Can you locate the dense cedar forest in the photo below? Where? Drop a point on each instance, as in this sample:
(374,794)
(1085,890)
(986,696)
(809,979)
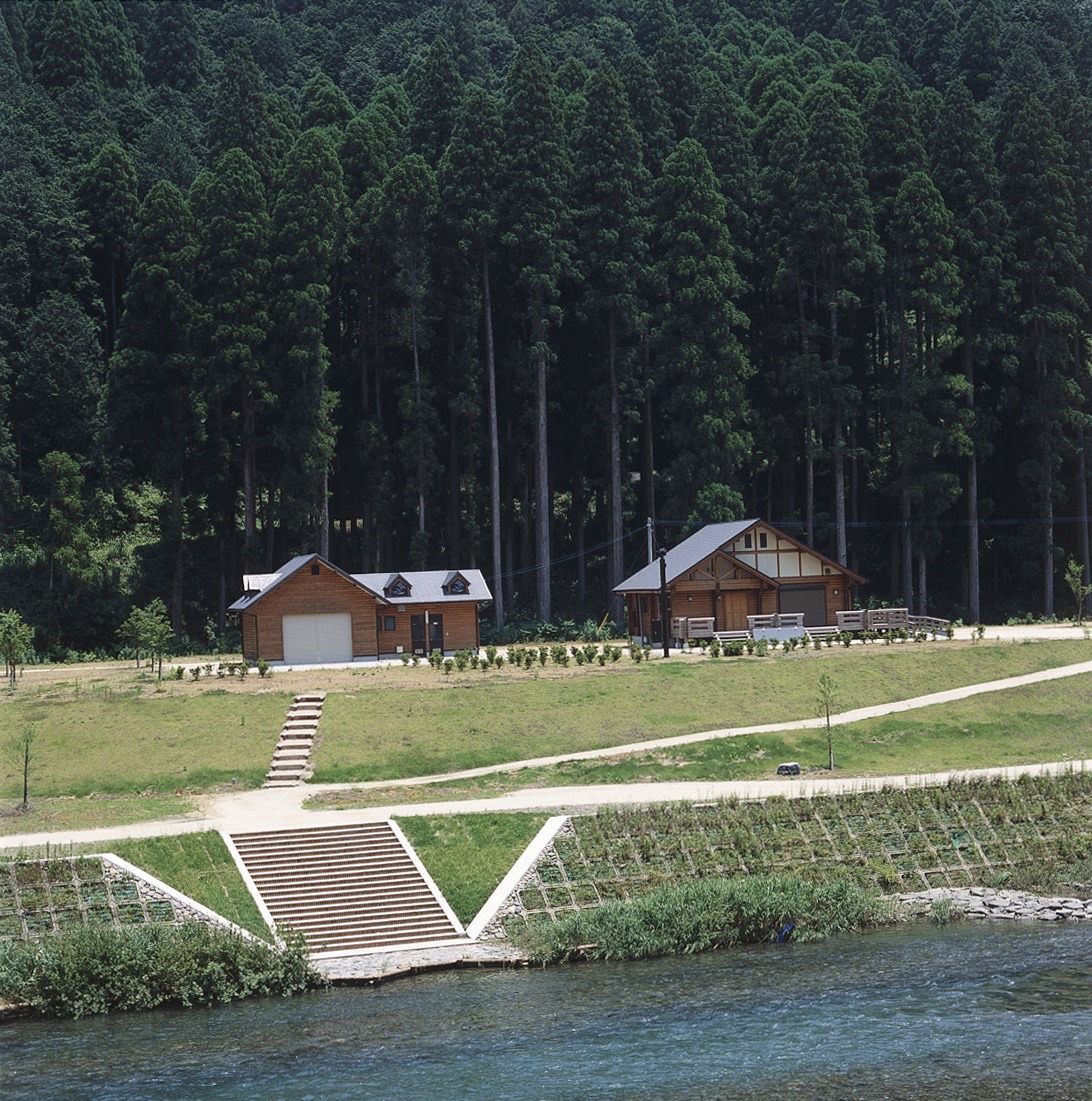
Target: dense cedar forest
(440,283)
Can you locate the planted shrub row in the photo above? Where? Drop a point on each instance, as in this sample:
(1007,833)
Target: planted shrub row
(706,914)
(105,970)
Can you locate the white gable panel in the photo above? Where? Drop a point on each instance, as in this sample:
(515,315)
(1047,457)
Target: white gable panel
(810,566)
(317,639)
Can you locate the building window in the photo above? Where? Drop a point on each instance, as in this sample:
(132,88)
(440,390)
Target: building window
(762,540)
(314,569)
(457,587)
(746,542)
(384,623)
(399,588)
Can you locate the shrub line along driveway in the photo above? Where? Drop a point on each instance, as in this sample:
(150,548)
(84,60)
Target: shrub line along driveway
(279,808)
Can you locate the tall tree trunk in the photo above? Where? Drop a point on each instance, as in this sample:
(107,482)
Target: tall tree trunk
(615,556)
(809,477)
(454,457)
(907,547)
(839,452)
(178,574)
(494,445)
(324,518)
(922,567)
(580,515)
(1082,508)
(1048,533)
(542,490)
(648,469)
(417,394)
(974,560)
(250,527)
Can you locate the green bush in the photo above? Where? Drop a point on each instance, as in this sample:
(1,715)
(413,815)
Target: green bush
(104,970)
(706,914)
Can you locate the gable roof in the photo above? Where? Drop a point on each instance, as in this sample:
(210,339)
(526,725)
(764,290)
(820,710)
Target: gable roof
(703,543)
(261,584)
(427,586)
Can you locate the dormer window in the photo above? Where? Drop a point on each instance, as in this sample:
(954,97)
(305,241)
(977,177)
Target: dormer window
(456,585)
(399,587)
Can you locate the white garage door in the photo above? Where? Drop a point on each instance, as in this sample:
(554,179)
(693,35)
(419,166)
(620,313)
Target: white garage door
(317,639)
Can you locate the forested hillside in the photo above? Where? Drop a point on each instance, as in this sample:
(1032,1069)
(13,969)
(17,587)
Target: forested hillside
(488,283)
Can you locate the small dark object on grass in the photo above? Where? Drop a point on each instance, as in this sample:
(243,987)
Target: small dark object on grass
(789,768)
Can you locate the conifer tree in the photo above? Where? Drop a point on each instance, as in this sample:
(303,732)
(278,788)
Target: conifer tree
(536,177)
(154,399)
(109,196)
(702,364)
(306,234)
(232,291)
(469,197)
(609,198)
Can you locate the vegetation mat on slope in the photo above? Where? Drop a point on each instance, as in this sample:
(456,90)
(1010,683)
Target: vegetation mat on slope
(696,917)
(468,855)
(1034,833)
(470,721)
(196,864)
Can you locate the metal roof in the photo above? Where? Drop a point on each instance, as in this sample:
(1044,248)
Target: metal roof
(427,586)
(270,581)
(685,556)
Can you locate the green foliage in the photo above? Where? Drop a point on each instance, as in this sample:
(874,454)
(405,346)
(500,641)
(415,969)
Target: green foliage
(107,970)
(16,638)
(708,914)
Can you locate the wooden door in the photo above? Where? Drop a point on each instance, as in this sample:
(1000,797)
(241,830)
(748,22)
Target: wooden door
(732,614)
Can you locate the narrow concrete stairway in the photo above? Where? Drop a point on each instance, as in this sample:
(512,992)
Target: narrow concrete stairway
(291,762)
(346,888)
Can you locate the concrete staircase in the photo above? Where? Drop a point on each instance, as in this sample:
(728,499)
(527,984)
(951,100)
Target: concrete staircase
(346,888)
(291,762)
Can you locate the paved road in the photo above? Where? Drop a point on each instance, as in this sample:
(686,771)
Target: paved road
(282,807)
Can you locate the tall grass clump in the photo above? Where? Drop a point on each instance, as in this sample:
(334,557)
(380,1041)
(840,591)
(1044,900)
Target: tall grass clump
(105,970)
(707,914)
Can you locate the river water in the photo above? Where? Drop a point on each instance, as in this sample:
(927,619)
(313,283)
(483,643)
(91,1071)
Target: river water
(980,1012)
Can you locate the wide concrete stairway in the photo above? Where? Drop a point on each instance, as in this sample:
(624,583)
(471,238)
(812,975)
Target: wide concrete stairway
(291,762)
(345,888)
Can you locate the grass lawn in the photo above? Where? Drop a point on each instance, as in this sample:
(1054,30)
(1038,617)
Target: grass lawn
(111,730)
(476,719)
(468,855)
(90,812)
(197,864)
(1047,722)
(134,741)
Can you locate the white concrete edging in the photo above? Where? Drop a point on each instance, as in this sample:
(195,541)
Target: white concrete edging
(178,896)
(542,840)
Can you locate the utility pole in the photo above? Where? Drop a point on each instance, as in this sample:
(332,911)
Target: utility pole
(648,532)
(664,624)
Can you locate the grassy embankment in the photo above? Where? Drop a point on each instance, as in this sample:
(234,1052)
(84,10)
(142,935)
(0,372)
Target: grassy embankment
(476,720)
(1047,722)
(113,745)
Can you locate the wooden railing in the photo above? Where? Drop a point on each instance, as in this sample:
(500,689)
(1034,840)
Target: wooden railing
(683,627)
(890,619)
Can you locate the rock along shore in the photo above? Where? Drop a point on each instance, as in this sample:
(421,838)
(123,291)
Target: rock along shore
(976,903)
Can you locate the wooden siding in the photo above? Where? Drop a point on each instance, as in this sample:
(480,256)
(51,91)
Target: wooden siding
(460,625)
(248,622)
(305,593)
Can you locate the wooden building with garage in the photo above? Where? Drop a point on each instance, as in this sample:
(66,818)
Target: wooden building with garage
(726,572)
(311,612)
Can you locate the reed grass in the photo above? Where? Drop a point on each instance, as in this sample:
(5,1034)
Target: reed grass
(707,914)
